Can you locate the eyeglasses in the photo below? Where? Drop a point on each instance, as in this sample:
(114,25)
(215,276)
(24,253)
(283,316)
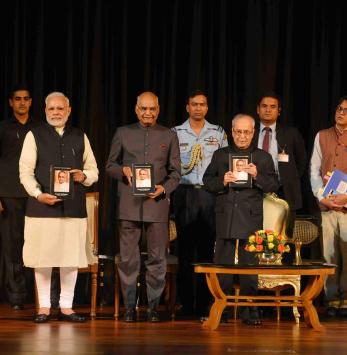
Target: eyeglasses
(240,132)
(342,110)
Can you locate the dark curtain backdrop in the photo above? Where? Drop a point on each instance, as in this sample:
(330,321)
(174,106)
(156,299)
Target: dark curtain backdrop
(102,54)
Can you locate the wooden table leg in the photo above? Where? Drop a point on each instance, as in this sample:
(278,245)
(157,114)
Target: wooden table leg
(295,308)
(219,304)
(311,316)
(215,315)
(312,290)
(94,294)
(116,293)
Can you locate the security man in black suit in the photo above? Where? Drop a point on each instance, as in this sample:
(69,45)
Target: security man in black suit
(13,197)
(287,148)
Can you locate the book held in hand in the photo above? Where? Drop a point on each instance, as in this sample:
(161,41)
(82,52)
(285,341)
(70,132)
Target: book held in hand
(61,182)
(143,179)
(237,163)
(336,184)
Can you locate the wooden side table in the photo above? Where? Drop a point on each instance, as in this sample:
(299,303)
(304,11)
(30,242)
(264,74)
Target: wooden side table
(316,273)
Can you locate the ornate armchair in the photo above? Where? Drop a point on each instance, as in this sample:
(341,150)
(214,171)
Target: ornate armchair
(92,204)
(276,212)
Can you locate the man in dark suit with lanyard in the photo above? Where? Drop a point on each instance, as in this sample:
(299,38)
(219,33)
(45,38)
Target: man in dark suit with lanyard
(287,148)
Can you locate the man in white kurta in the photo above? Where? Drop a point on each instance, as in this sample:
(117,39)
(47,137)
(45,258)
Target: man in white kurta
(51,241)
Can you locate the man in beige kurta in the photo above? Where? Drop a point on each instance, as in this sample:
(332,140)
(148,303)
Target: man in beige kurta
(55,230)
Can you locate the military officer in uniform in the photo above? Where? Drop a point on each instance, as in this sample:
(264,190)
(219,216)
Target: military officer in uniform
(193,206)
(144,142)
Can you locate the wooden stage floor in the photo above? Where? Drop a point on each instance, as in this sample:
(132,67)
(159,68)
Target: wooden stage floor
(19,335)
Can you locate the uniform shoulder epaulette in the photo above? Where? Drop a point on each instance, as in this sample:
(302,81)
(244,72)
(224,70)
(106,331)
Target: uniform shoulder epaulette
(217,128)
(179,128)
(214,127)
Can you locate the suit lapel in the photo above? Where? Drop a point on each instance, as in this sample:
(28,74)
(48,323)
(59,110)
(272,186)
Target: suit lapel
(279,137)
(256,134)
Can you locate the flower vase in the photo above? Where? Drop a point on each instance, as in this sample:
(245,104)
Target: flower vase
(269,258)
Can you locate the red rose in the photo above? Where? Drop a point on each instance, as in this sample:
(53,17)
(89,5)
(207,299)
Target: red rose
(258,239)
(259,248)
(281,248)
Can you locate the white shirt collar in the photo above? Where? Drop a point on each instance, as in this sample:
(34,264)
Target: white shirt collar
(273,127)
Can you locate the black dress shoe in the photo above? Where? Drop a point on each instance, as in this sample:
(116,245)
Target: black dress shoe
(252,321)
(251,317)
(41,318)
(331,312)
(342,312)
(73,317)
(223,319)
(152,315)
(185,313)
(129,315)
(204,319)
(17,306)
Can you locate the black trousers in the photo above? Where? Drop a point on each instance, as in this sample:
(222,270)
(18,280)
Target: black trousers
(12,239)
(195,223)
(225,254)
(129,267)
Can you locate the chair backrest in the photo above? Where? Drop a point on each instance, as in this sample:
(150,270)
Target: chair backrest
(92,205)
(276,213)
(275,216)
(304,232)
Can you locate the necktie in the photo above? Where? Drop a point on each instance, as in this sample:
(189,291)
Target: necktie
(266,140)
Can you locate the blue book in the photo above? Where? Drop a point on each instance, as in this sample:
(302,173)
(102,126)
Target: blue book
(337,184)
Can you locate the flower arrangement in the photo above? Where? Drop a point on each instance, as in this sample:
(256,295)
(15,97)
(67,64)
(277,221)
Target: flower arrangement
(267,241)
